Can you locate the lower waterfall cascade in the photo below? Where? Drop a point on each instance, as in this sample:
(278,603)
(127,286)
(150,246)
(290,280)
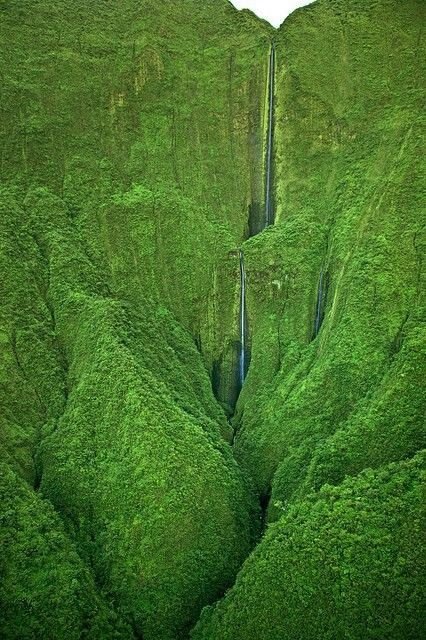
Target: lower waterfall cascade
(243,322)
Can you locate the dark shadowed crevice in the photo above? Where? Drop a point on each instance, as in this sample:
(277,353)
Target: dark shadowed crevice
(264,500)
(225,378)
(321,303)
(256,222)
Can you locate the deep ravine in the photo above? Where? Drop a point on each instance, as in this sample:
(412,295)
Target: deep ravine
(268,219)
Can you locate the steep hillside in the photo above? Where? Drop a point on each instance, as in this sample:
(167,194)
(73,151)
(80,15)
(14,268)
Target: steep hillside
(345,564)
(349,224)
(130,162)
(135,480)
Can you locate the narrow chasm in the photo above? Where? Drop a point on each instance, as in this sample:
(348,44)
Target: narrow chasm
(256,226)
(230,370)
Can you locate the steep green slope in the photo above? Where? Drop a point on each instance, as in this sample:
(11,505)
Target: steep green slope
(346,564)
(129,451)
(128,179)
(46,591)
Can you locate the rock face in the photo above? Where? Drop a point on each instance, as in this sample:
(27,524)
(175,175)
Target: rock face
(133,160)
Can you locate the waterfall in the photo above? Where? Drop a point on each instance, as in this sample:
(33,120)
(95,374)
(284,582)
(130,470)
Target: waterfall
(319,309)
(243,321)
(269,214)
(269,219)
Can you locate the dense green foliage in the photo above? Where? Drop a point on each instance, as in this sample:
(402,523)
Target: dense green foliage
(132,151)
(345,564)
(46,591)
(138,446)
(127,181)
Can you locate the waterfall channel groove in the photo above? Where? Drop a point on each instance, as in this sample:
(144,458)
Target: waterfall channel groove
(321,302)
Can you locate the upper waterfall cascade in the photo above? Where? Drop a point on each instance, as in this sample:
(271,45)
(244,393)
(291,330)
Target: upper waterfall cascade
(269,213)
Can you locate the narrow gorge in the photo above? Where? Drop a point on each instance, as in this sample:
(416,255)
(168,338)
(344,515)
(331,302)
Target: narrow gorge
(268,220)
(212,321)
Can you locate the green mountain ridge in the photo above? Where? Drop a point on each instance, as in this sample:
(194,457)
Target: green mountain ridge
(143,496)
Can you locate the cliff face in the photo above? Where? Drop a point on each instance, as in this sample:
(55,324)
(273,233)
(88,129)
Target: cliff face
(348,216)
(153,115)
(132,165)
